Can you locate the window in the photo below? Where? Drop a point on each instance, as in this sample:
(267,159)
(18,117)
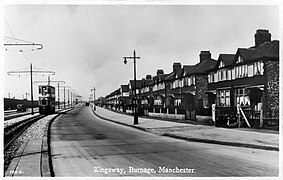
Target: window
(221,64)
(211,77)
(258,68)
(158,101)
(145,101)
(205,103)
(242,97)
(185,79)
(223,74)
(180,83)
(223,98)
(233,73)
(240,59)
(241,71)
(177,102)
(250,70)
(193,80)
(215,77)
(228,74)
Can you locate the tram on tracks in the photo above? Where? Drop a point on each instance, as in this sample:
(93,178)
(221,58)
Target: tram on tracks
(46,100)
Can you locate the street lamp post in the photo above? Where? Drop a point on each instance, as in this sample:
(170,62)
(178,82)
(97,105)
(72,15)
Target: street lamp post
(136,121)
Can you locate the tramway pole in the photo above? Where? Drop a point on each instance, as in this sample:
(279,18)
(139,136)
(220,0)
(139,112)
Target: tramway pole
(65,94)
(21,47)
(30,72)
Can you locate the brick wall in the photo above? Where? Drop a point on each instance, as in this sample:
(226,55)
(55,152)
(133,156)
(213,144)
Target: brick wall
(201,88)
(271,90)
(10,104)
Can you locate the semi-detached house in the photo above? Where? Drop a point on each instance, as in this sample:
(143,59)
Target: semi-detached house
(248,79)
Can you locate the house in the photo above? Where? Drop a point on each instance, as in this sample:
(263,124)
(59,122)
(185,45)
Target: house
(145,95)
(186,87)
(124,97)
(248,79)
(112,99)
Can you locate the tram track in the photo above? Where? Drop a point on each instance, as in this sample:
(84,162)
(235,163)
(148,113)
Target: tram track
(12,132)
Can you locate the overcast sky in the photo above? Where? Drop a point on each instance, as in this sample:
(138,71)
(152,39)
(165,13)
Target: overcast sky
(85,44)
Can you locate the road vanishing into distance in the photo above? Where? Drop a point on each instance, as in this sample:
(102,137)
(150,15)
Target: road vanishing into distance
(85,145)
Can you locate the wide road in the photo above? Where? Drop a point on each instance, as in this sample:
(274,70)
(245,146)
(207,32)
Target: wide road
(85,145)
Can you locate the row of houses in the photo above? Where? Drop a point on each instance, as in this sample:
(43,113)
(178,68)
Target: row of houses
(247,81)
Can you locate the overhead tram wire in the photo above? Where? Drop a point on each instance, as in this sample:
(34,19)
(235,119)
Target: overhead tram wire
(9,27)
(18,39)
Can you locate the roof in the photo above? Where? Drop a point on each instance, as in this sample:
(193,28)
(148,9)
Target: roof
(116,92)
(173,74)
(138,83)
(125,88)
(146,82)
(203,67)
(246,53)
(267,50)
(170,76)
(162,76)
(188,68)
(227,59)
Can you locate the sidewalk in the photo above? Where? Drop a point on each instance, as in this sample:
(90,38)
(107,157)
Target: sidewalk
(243,137)
(31,158)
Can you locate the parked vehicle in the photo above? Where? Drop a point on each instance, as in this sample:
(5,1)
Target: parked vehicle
(21,108)
(87,103)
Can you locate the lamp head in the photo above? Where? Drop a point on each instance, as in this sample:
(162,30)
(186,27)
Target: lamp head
(125,60)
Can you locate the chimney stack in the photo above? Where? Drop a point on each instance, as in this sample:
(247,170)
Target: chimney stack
(262,36)
(148,77)
(159,72)
(177,66)
(204,55)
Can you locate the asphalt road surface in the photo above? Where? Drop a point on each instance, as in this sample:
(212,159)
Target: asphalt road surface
(85,145)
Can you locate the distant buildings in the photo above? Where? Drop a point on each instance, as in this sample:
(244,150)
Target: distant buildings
(249,78)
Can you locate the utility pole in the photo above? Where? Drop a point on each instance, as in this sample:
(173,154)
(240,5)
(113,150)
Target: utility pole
(30,72)
(58,97)
(135,85)
(64,98)
(31,89)
(68,98)
(93,97)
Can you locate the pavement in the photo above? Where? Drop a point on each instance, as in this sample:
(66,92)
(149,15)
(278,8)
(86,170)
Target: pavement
(31,159)
(240,137)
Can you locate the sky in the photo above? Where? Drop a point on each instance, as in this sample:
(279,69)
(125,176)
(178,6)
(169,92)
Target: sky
(85,44)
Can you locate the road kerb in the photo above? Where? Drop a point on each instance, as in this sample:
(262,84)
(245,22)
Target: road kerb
(46,159)
(137,127)
(222,142)
(197,139)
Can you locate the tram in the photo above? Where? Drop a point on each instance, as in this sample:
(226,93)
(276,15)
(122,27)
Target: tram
(46,100)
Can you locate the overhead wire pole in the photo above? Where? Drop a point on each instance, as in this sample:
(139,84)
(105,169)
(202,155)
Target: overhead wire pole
(31,72)
(135,84)
(64,87)
(93,96)
(31,87)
